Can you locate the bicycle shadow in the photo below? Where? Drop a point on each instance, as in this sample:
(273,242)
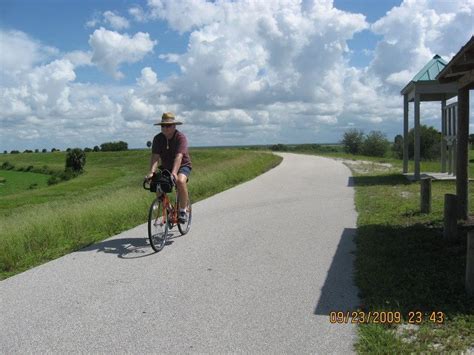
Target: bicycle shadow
(129,248)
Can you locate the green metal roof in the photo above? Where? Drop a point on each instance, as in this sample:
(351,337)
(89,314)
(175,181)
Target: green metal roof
(431,70)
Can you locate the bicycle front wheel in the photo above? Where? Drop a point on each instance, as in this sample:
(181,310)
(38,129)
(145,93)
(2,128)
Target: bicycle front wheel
(157,225)
(184,227)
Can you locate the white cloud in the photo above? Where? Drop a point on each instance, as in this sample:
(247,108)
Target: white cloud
(115,21)
(187,14)
(148,77)
(21,52)
(110,49)
(109,18)
(138,14)
(417,30)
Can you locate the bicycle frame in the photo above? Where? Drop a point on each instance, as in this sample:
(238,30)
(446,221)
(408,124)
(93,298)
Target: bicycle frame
(171,209)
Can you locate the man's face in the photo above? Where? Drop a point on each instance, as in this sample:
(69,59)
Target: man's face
(168,130)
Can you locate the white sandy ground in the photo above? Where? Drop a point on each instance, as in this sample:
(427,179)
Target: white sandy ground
(260,270)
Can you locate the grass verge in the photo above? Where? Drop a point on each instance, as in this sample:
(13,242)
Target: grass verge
(404,265)
(83,211)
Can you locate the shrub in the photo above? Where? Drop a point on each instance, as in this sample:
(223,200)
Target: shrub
(279,147)
(471,140)
(397,147)
(375,144)
(53,180)
(75,160)
(352,141)
(430,143)
(7,166)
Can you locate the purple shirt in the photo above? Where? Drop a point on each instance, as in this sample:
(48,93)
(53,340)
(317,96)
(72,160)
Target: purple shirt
(167,149)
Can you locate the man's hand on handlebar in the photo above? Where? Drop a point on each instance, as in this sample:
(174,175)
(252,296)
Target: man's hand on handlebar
(149,175)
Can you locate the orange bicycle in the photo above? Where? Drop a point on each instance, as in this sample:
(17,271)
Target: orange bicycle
(163,213)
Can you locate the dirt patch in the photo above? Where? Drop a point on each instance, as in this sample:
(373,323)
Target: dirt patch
(365,167)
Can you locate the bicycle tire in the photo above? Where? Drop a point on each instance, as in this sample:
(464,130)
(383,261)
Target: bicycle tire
(184,228)
(157,225)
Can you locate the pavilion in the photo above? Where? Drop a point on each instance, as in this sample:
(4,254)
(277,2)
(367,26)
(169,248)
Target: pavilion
(460,72)
(425,87)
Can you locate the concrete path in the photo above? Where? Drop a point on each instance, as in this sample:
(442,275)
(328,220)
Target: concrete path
(260,270)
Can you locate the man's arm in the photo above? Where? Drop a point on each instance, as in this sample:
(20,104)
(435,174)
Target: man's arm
(177,164)
(154,160)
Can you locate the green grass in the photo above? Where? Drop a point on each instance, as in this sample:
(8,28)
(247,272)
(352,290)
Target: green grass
(13,181)
(43,224)
(403,264)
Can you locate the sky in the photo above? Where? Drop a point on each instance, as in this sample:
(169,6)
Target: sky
(240,72)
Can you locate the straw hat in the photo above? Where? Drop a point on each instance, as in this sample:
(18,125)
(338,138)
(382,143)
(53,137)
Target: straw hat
(168,118)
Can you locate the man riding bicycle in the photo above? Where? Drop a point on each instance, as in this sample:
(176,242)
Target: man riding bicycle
(171,147)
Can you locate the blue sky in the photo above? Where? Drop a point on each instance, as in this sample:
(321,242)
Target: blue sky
(79,73)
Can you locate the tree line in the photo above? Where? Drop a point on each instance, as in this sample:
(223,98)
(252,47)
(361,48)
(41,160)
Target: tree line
(104,147)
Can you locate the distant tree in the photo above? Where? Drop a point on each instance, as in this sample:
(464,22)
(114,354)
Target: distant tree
(375,144)
(5,152)
(114,146)
(44,150)
(75,160)
(36,150)
(148,144)
(87,150)
(68,149)
(14,152)
(53,150)
(96,148)
(352,141)
(28,151)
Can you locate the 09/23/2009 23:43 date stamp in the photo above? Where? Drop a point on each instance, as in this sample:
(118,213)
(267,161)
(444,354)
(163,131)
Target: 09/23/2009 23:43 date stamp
(386,317)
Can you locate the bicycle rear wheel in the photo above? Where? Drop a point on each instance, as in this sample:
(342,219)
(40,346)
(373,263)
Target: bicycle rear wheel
(157,225)
(184,228)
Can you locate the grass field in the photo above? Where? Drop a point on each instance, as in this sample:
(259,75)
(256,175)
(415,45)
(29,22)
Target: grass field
(44,223)
(13,181)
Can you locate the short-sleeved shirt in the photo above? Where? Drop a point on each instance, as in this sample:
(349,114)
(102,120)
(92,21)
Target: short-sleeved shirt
(167,149)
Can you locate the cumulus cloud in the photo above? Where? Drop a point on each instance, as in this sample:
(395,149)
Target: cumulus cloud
(109,18)
(21,52)
(115,21)
(417,30)
(148,77)
(110,49)
(252,72)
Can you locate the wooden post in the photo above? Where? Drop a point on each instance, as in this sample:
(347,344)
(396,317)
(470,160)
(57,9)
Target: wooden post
(425,200)
(417,137)
(405,133)
(470,263)
(450,217)
(443,136)
(462,153)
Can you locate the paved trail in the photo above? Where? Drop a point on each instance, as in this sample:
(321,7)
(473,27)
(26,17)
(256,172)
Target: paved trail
(261,268)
